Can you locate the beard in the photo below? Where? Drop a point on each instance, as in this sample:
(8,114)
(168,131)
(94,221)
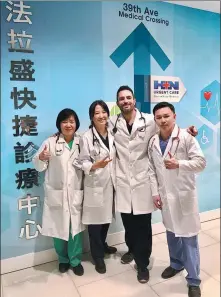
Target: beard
(127,110)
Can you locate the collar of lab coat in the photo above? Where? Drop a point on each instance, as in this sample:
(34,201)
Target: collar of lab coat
(75,144)
(121,122)
(110,139)
(174,136)
(156,141)
(136,124)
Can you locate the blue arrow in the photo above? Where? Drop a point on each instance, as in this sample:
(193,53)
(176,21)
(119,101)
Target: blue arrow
(143,45)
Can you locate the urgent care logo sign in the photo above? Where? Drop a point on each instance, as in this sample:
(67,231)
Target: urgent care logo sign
(166,88)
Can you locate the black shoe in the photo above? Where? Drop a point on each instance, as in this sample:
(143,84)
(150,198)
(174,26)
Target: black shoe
(78,270)
(170,272)
(194,291)
(143,275)
(127,258)
(109,249)
(100,266)
(63,267)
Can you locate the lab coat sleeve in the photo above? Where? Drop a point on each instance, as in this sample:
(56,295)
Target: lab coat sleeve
(84,160)
(152,175)
(197,161)
(38,164)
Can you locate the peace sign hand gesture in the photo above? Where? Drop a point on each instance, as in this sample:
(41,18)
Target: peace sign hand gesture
(101,163)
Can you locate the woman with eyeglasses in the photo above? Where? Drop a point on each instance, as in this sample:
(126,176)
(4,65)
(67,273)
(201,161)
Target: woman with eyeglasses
(96,159)
(63,191)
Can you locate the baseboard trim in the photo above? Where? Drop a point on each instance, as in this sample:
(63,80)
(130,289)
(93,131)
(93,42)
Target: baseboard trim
(28,260)
(33,259)
(210,215)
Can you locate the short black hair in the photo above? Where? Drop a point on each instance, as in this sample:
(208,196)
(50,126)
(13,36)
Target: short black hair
(162,105)
(64,115)
(93,106)
(124,88)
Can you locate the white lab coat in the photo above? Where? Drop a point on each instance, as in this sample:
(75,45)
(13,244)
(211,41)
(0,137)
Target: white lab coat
(177,187)
(63,189)
(133,191)
(98,205)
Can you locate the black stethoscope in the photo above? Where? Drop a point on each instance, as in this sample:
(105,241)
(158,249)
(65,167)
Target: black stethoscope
(60,146)
(142,129)
(97,142)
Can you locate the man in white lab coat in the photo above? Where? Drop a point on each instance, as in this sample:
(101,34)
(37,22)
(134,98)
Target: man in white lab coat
(132,131)
(175,157)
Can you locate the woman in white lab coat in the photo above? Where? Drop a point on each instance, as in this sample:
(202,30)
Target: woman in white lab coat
(97,154)
(63,191)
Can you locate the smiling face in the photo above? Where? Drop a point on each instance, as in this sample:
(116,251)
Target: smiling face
(68,127)
(165,119)
(126,101)
(100,117)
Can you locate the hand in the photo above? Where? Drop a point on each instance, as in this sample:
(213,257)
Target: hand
(101,163)
(45,154)
(157,201)
(192,131)
(171,163)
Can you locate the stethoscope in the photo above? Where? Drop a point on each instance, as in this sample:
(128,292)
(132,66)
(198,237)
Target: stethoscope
(171,147)
(142,129)
(59,148)
(59,152)
(97,142)
(178,142)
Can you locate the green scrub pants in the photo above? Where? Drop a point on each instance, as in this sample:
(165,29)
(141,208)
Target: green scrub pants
(69,251)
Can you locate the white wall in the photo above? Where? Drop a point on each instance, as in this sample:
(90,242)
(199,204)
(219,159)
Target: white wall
(213,6)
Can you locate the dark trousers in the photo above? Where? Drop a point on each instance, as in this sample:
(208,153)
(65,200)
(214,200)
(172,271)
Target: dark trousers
(138,237)
(97,237)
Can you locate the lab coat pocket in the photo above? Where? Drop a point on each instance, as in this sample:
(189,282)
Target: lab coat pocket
(181,153)
(141,136)
(54,198)
(142,199)
(77,201)
(181,156)
(188,202)
(93,197)
(95,154)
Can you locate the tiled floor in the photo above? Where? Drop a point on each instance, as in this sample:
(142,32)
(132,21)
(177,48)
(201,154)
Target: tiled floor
(120,280)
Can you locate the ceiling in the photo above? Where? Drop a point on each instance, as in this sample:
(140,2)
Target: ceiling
(213,6)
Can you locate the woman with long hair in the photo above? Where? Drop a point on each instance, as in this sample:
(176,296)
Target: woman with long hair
(96,159)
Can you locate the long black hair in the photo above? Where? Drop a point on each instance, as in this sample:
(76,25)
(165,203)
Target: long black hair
(92,109)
